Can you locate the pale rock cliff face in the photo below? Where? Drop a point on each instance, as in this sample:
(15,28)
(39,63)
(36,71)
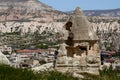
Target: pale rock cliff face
(25,27)
(105,24)
(108,31)
(97,24)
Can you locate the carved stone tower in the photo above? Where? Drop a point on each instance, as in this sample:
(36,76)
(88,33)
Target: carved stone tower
(79,51)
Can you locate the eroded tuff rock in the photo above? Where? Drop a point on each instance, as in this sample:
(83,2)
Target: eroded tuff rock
(79,51)
(3,59)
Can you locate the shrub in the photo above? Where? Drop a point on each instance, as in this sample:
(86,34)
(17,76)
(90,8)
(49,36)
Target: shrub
(109,74)
(106,74)
(42,62)
(10,73)
(42,46)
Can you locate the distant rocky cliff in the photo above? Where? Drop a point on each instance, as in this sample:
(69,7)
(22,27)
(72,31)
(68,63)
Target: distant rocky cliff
(103,13)
(105,23)
(28,4)
(27,10)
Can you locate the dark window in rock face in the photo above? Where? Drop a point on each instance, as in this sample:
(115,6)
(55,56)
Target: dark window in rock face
(70,39)
(71,35)
(68,25)
(83,48)
(89,47)
(80,50)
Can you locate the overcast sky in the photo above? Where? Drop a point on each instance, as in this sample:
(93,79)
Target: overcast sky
(67,5)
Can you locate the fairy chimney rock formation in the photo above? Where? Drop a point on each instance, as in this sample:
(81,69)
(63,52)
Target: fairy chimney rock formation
(79,49)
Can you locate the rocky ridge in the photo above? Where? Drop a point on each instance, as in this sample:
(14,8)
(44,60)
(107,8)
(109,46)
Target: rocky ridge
(102,13)
(25,10)
(29,4)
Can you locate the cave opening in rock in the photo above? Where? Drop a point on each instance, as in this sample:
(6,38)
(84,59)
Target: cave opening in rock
(68,25)
(83,48)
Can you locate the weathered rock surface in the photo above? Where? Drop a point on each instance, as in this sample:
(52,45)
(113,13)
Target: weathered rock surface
(3,59)
(79,46)
(25,27)
(44,67)
(29,4)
